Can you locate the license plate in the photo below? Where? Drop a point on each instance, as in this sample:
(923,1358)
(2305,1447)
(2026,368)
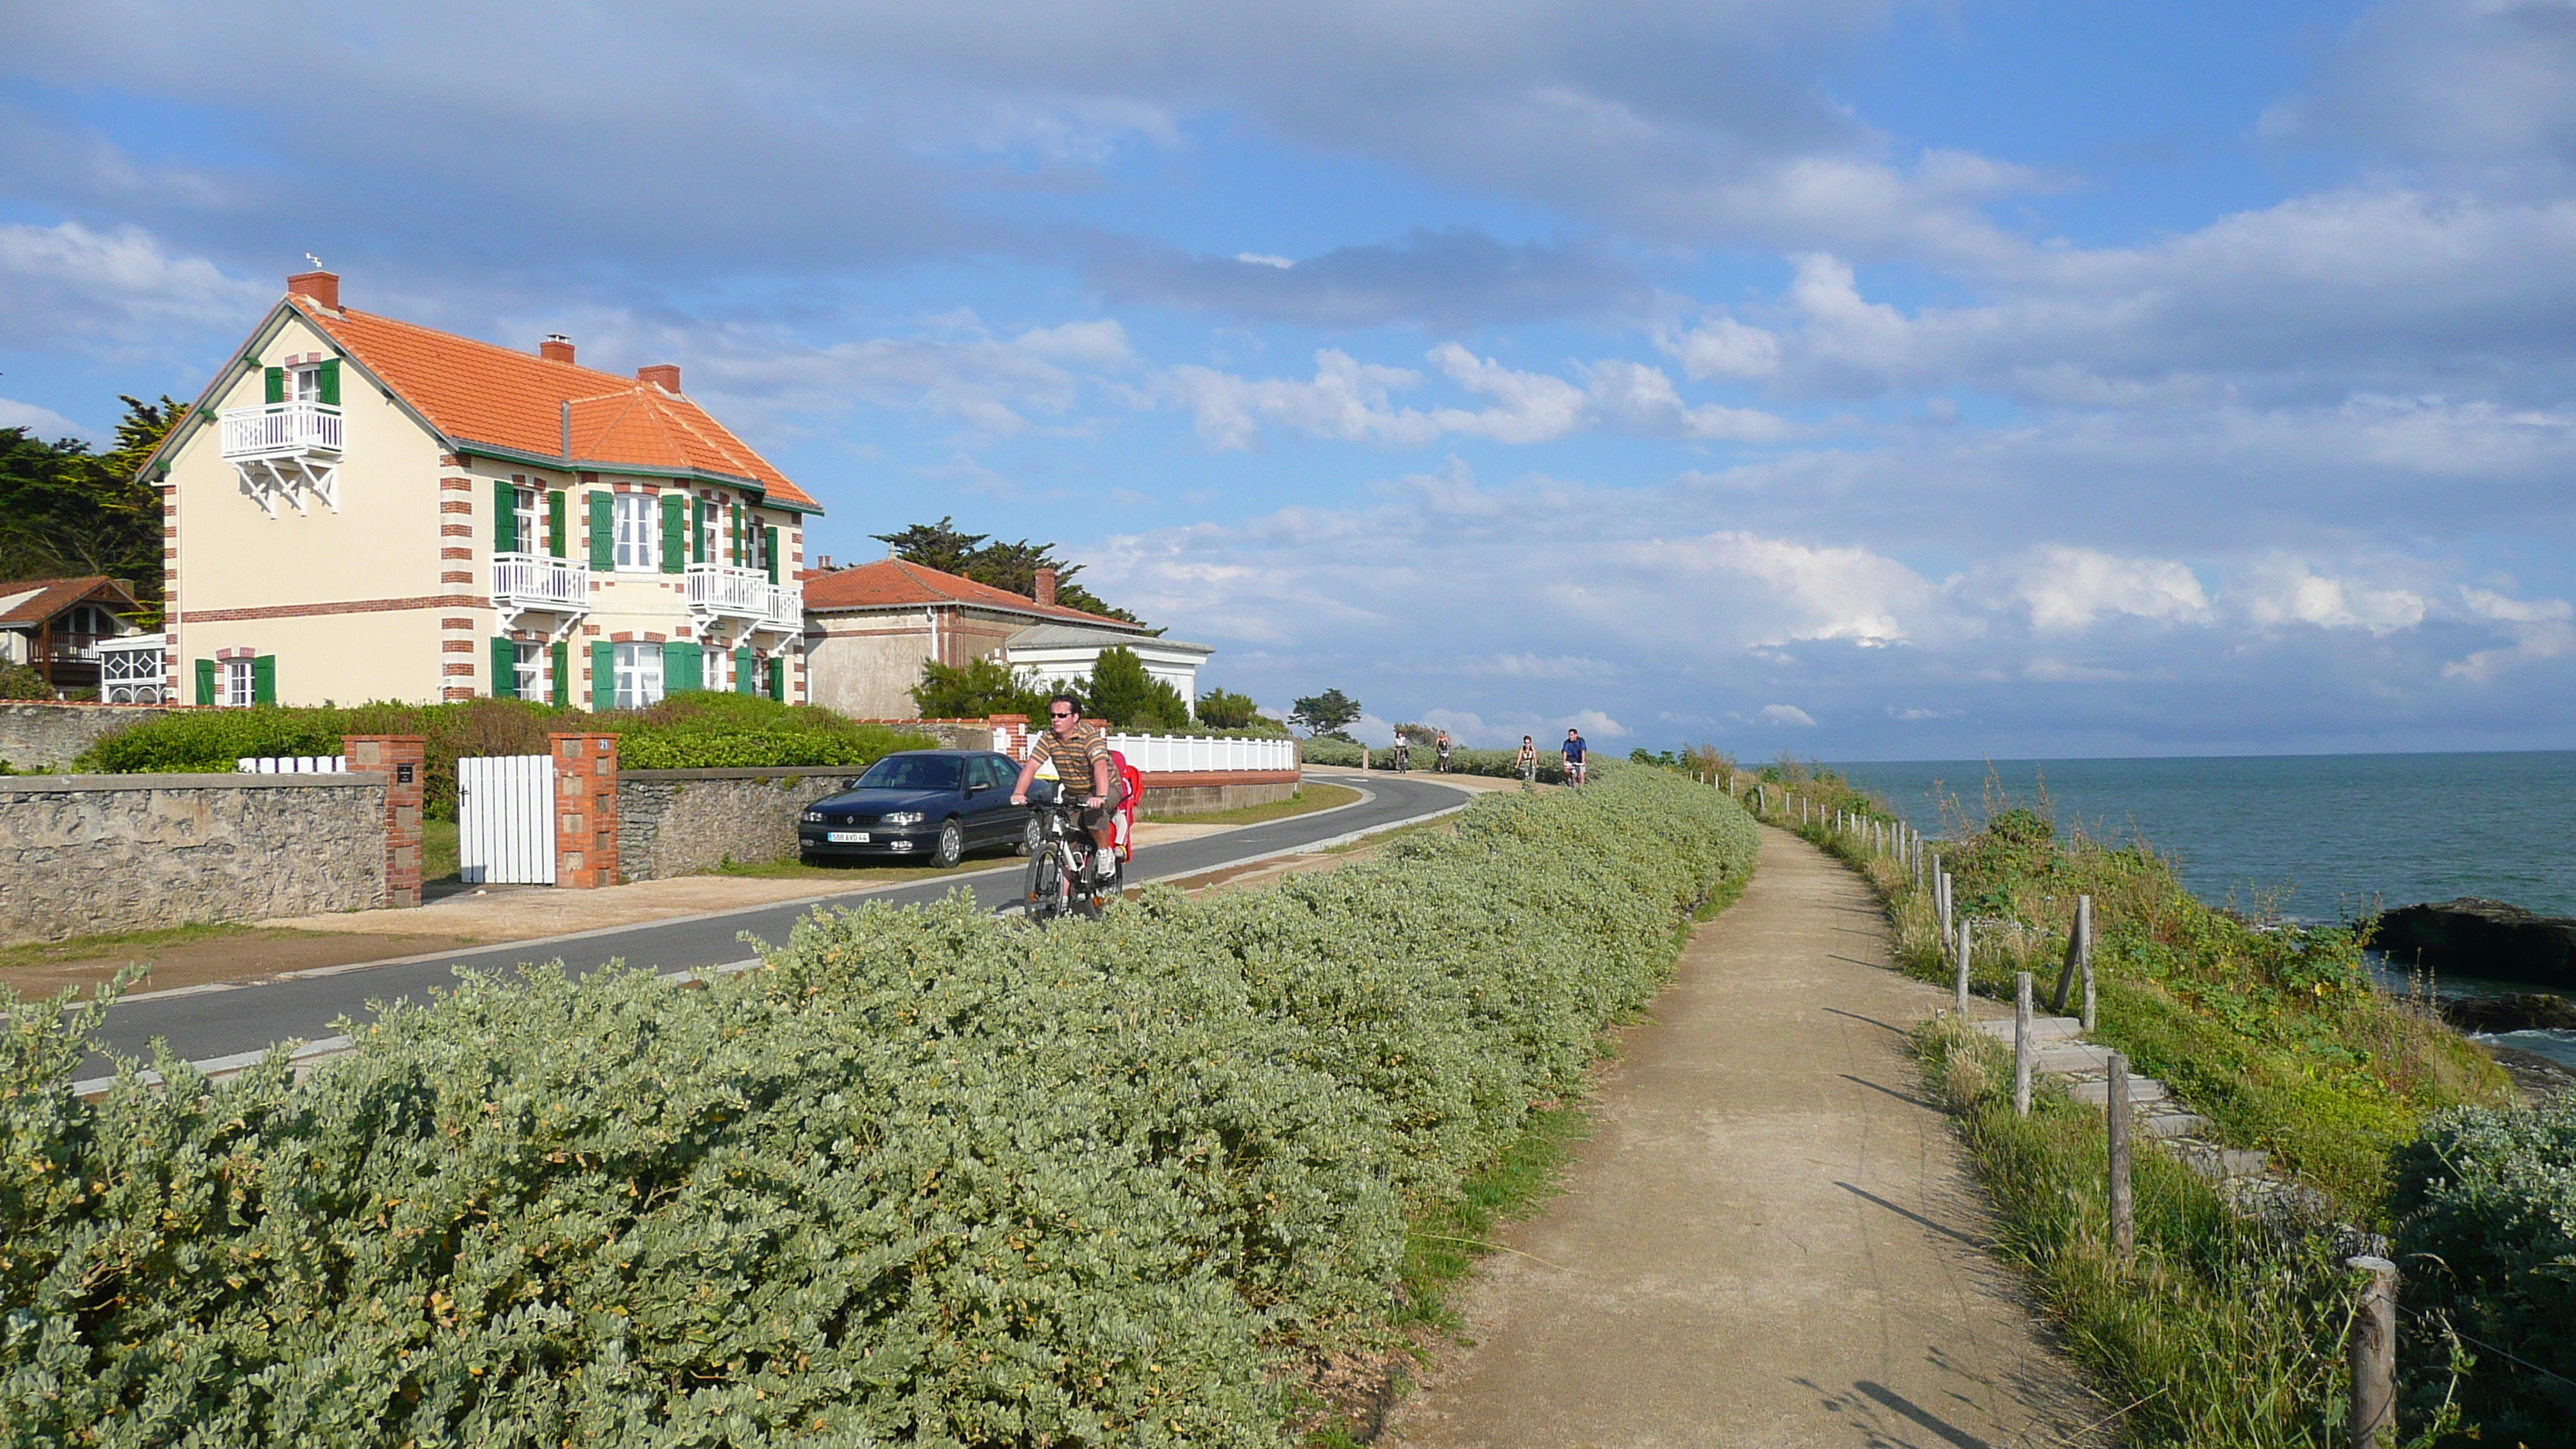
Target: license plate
(847,837)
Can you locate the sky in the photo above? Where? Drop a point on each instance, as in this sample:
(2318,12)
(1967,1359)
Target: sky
(1859,380)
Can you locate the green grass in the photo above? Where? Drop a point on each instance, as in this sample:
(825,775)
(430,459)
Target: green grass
(438,850)
(2215,1331)
(1307,800)
(82,948)
(807,870)
(1444,1243)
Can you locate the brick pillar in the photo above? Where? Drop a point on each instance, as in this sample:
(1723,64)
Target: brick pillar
(402,760)
(585,810)
(1018,727)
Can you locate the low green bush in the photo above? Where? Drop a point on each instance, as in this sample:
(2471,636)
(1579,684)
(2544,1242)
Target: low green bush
(18,681)
(1501,764)
(933,1176)
(2485,1202)
(703,730)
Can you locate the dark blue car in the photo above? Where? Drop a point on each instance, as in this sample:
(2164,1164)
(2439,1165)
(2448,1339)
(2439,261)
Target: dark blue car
(932,805)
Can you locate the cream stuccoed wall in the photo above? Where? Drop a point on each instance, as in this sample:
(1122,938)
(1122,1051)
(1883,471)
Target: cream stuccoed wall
(379,549)
(649,605)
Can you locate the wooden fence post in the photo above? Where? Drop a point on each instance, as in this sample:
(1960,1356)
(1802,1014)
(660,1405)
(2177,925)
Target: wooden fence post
(2084,925)
(2021,1043)
(1963,968)
(2374,1356)
(2123,1231)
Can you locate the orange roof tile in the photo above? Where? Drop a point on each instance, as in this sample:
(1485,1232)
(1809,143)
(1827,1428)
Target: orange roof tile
(894,584)
(33,601)
(476,392)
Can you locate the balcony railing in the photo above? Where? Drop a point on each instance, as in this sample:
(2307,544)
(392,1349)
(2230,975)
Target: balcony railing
(538,581)
(280,430)
(747,594)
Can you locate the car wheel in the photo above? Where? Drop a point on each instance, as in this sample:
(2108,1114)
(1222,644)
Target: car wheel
(1031,838)
(952,843)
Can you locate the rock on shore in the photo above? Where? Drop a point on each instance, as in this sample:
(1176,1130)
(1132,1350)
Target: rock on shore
(2475,937)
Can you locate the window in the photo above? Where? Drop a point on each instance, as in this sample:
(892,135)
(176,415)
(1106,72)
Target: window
(639,533)
(639,672)
(530,535)
(305,385)
(710,532)
(754,556)
(534,677)
(240,685)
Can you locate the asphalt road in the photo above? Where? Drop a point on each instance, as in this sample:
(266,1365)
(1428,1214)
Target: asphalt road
(209,1022)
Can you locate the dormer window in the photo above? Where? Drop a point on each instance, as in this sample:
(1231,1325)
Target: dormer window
(305,384)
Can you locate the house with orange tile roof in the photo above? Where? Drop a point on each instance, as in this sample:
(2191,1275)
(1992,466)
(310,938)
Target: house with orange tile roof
(362,508)
(870,628)
(75,634)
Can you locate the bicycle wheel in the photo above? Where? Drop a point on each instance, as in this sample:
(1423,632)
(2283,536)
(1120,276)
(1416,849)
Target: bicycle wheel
(1044,893)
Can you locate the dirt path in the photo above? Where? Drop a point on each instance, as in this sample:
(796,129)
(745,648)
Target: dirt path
(1769,1240)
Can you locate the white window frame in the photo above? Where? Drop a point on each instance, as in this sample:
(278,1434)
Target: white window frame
(530,520)
(639,675)
(241,686)
(304,384)
(639,533)
(532,671)
(711,531)
(755,541)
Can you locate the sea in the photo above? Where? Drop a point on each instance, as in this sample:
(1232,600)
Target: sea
(2310,838)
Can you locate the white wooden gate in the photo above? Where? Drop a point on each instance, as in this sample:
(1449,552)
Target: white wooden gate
(505,819)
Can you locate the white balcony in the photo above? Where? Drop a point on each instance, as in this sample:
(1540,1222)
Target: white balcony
(287,451)
(535,582)
(731,603)
(281,430)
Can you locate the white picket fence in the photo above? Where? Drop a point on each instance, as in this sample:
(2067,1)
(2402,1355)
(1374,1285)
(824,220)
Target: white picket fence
(292,765)
(505,823)
(1175,754)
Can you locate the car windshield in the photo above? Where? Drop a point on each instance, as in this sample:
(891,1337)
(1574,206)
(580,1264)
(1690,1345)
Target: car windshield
(912,772)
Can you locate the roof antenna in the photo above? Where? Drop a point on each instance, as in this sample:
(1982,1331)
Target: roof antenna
(316,261)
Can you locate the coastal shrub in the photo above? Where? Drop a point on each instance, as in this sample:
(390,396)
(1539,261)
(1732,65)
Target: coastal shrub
(2485,1202)
(699,730)
(1501,764)
(931,1176)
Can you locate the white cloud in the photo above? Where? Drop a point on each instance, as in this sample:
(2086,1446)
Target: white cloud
(1788,714)
(1593,722)
(42,422)
(2540,629)
(2068,588)
(1259,259)
(1720,346)
(115,291)
(1351,401)
(2283,590)
(1808,592)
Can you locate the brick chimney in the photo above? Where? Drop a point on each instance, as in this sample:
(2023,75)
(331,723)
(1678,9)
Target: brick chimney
(1046,587)
(322,287)
(664,375)
(556,348)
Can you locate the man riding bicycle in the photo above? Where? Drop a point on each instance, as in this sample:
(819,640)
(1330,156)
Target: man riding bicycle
(1080,755)
(1573,751)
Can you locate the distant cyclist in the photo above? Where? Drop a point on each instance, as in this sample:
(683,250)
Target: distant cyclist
(1440,756)
(1527,762)
(1403,753)
(1573,751)
(1080,755)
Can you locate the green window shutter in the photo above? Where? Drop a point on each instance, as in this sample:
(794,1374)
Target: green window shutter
(562,670)
(698,531)
(769,551)
(603,533)
(505,516)
(675,533)
(778,680)
(205,681)
(603,673)
(326,383)
(746,673)
(277,384)
(263,679)
(555,526)
(683,667)
(505,668)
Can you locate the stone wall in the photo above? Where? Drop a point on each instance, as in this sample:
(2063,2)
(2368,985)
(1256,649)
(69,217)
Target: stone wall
(43,735)
(88,855)
(678,822)
(1197,799)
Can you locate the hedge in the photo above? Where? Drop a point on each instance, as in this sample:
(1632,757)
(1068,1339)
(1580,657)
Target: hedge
(933,1176)
(707,730)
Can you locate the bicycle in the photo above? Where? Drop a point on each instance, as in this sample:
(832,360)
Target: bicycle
(1058,882)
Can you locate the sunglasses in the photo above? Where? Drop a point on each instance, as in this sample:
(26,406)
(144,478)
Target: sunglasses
(1059,714)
